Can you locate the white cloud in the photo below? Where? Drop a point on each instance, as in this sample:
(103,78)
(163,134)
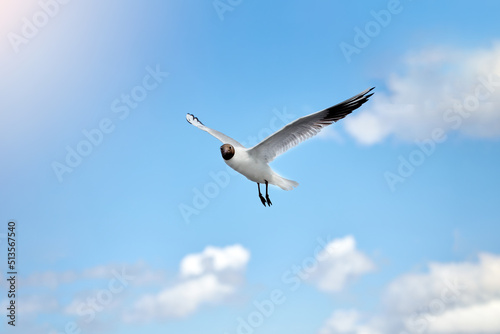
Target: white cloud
(426,93)
(214,259)
(455,283)
(338,264)
(183,299)
(205,278)
(477,318)
(346,322)
(450,298)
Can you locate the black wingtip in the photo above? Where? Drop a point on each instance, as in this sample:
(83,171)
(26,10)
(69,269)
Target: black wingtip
(368,91)
(365,96)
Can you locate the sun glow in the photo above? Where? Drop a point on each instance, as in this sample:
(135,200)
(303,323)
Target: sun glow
(12,14)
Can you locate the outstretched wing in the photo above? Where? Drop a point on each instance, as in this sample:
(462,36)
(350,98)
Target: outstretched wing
(222,137)
(305,128)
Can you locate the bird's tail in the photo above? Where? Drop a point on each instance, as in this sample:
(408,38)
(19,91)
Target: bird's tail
(284,183)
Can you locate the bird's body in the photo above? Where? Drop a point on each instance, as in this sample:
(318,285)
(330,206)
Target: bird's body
(253,162)
(257,170)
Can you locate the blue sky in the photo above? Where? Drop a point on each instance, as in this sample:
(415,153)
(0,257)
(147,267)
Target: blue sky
(129,221)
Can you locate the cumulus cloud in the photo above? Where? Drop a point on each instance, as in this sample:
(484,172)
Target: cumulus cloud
(443,88)
(205,278)
(215,259)
(347,322)
(183,299)
(450,298)
(477,318)
(338,264)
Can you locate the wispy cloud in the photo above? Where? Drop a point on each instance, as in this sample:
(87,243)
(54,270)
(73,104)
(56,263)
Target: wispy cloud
(103,291)
(33,305)
(446,88)
(52,279)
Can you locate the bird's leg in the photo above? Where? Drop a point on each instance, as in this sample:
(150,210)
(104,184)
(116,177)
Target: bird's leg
(269,203)
(260,195)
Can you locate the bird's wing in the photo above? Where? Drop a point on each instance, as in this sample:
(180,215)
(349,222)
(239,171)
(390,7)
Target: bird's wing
(222,137)
(305,128)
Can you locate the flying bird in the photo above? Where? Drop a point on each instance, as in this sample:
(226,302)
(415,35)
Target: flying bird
(253,162)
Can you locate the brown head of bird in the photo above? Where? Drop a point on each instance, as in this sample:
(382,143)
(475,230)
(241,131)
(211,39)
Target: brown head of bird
(227,151)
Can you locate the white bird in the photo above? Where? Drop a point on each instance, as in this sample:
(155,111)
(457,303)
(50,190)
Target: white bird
(254,162)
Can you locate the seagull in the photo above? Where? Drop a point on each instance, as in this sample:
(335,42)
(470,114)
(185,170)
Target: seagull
(253,163)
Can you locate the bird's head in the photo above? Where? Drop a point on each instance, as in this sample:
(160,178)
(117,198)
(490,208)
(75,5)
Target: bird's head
(227,151)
